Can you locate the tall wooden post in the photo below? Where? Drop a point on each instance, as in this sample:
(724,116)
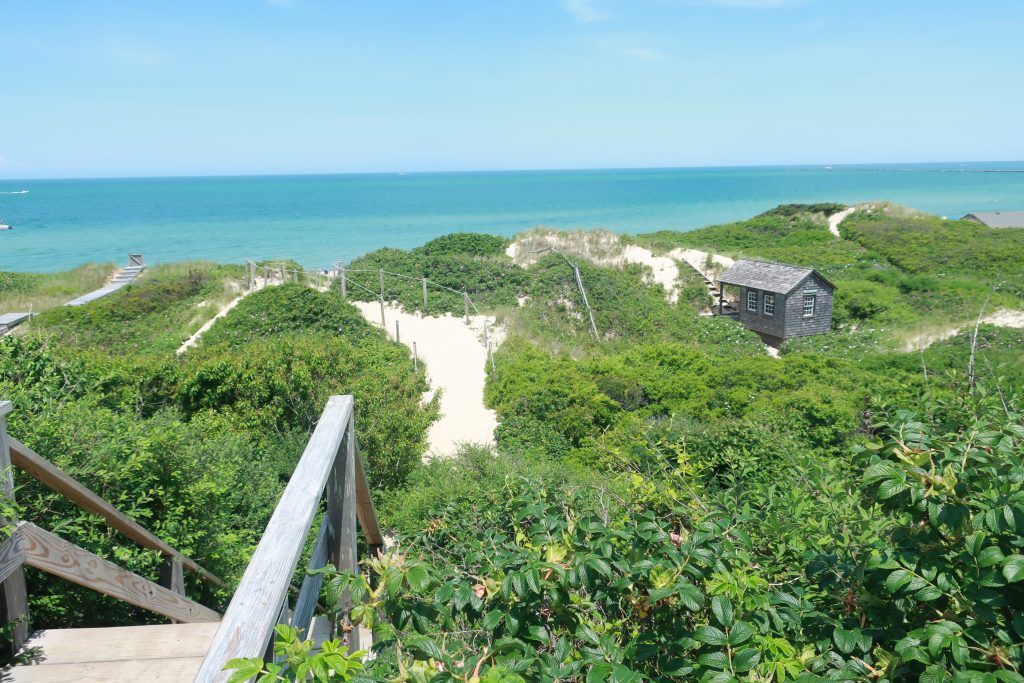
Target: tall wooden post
(382,284)
(465,304)
(383,322)
(424,296)
(415,359)
(341,514)
(398,337)
(344,282)
(15,594)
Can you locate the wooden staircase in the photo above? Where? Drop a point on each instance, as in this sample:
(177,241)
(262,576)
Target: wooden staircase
(200,641)
(165,653)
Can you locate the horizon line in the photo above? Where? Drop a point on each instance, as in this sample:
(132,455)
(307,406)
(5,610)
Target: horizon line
(793,166)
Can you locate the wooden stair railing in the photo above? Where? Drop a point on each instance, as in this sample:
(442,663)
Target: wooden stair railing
(31,545)
(331,462)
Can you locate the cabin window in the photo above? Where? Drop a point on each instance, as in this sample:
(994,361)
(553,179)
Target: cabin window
(752,301)
(769,304)
(809,305)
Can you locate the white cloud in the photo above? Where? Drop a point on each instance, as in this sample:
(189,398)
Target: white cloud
(584,10)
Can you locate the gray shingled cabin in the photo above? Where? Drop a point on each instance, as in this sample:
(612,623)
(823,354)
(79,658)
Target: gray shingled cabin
(780,300)
(997,219)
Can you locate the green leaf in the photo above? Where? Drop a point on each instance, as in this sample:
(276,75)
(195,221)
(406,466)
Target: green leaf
(991,555)
(927,594)
(244,669)
(740,633)
(846,640)
(746,659)
(710,635)
(492,619)
(621,674)
(722,609)
(897,580)
(418,578)
(1013,568)
(691,597)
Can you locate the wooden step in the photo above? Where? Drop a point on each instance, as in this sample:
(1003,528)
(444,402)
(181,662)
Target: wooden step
(165,653)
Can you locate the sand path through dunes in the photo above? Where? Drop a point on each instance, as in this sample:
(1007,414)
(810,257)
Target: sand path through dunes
(1001,318)
(224,310)
(456,360)
(835,219)
(698,260)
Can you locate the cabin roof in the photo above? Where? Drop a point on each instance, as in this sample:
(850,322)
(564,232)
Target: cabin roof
(779,278)
(997,219)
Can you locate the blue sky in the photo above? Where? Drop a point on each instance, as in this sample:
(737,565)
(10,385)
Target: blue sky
(318,86)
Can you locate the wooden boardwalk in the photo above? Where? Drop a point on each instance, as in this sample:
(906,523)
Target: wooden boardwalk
(123,277)
(9,321)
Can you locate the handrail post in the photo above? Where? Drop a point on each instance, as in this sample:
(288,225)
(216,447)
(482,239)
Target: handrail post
(172,577)
(344,282)
(424,296)
(341,513)
(15,593)
(465,304)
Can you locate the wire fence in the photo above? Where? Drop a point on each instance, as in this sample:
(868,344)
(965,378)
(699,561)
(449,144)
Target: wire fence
(337,278)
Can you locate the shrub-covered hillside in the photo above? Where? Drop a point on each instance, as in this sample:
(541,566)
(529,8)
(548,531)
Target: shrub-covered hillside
(899,275)
(197,448)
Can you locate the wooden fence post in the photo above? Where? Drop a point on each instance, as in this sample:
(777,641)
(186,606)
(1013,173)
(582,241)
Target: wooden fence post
(415,360)
(424,296)
(172,577)
(398,337)
(341,514)
(465,304)
(382,284)
(344,283)
(15,594)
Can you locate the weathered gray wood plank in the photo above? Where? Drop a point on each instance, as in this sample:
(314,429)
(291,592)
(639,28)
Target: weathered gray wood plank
(15,593)
(118,643)
(249,621)
(60,481)
(305,604)
(12,555)
(54,555)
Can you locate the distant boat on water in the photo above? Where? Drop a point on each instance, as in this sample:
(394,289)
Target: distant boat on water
(16,192)
(4,226)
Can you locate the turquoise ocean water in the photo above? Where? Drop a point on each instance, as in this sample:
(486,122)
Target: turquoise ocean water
(320,219)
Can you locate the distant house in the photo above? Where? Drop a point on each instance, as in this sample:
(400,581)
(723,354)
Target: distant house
(997,219)
(779,300)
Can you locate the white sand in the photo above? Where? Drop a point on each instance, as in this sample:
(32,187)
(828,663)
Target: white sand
(456,362)
(835,219)
(1001,318)
(697,260)
(224,310)
(663,268)
(601,248)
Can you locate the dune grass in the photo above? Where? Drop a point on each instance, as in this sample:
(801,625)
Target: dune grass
(157,312)
(41,291)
